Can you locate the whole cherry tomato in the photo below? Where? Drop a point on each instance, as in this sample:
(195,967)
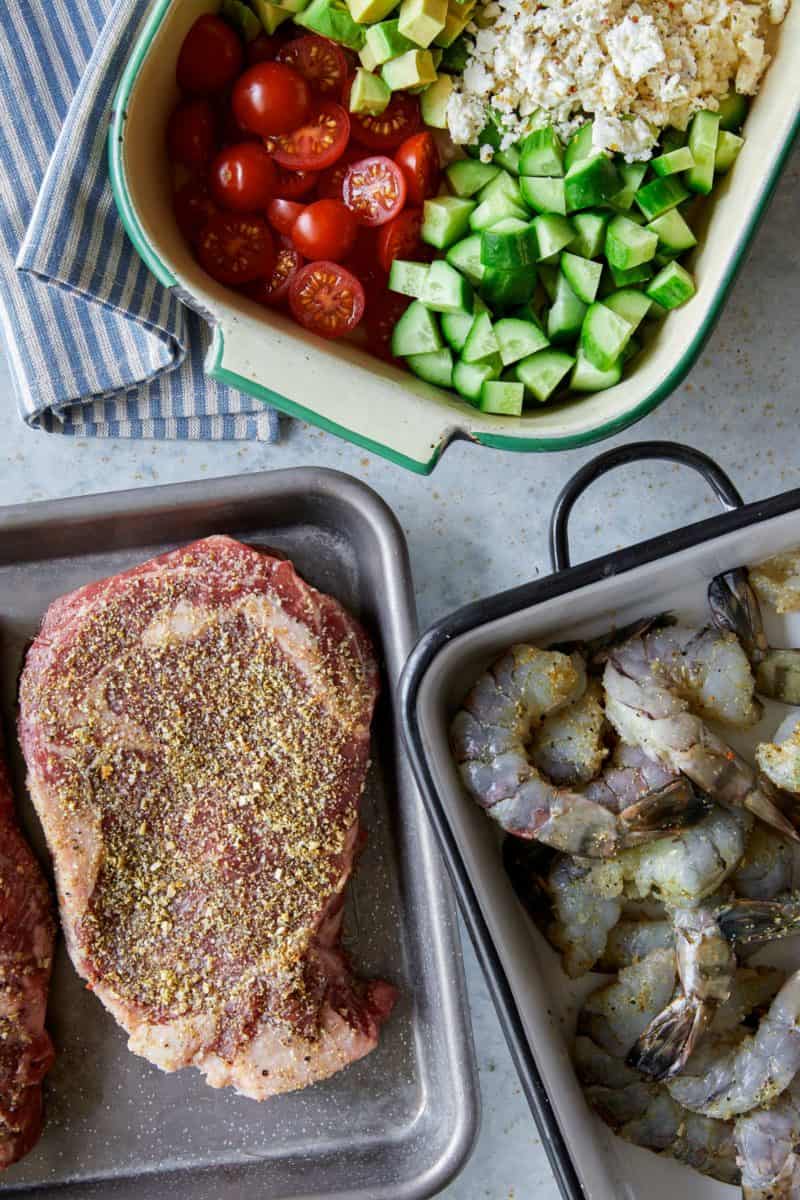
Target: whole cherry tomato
(210,57)
(418,159)
(193,208)
(236,249)
(282,215)
(325,229)
(262,49)
(271,99)
(192,133)
(243,177)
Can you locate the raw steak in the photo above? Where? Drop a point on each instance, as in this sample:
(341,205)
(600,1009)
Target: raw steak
(197,737)
(27,934)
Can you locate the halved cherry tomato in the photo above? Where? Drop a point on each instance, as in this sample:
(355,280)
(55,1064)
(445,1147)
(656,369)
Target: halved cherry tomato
(262,49)
(193,208)
(270,98)
(283,214)
(374,189)
(293,184)
(399,119)
(273,289)
(383,313)
(325,229)
(236,249)
(243,177)
(330,181)
(210,57)
(326,299)
(320,61)
(400,238)
(418,159)
(317,143)
(192,133)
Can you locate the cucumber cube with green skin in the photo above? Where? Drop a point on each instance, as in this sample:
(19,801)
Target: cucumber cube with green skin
(674,235)
(660,195)
(673,162)
(591,181)
(630,304)
(445,220)
(672,139)
(421,20)
(672,286)
(628,244)
(242,18)
(553,234)
(509,245)
(586,377)
(270,15)
(504,399)
(703,138)
(416,332)
(733,111)
(582,274)
(604,336)
(434,100)
(465,256)
(413,69)
(548,274)
(466,176)
(728,147)
(408,278)
(456,326)
(436,367)
(544,194)
(508,159)
(367,12)
(386,41)
(541,153)
(517,339)
(369,93)
(502,187)
(446,290)
(504,290)
(481,341)
(579,145)
(566,314)
(590,233)
(332,20)
(631,175)
(541,373)
(469,378)
(496,208)
(624,279)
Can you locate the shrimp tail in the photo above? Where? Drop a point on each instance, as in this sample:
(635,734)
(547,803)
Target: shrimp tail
(774,808)
(735,609)
(664,1048)
(751,922)
(663,811)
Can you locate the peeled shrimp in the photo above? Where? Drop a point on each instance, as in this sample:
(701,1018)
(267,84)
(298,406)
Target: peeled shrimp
(586,899)
(568,746)
(765,869)
(615,1015)
(768,1145)
(631,940)
(780,760)
(632,776)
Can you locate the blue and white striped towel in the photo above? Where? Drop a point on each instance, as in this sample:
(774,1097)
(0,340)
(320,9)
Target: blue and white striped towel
(100,349)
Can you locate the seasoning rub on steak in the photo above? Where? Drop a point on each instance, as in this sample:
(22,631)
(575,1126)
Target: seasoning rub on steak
(27,934)
(196,732)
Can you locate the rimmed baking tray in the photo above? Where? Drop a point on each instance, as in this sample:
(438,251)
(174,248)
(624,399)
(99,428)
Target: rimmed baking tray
(400,1123)
(535,1001)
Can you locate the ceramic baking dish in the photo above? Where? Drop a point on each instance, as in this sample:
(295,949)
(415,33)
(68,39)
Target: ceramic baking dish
(535,1000)
(348,392)
(397,1125)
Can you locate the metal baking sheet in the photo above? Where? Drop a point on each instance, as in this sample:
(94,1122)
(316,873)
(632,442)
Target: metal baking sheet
(401,1122)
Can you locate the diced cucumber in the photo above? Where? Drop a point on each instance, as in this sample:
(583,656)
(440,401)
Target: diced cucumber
(733,111)
(628,244)
(496,208)
(728,147)
(465,256)
(565,318)
(631,175)
(579,145)
(504,290)
(673,161)
(590,233)
(509,244)
(544,194)
(633,348)
(591,181)
(435,367)
(672,286)
(674,235)
(703,138)
(468,176)
(517,339)
(446,220)
(660,195)
(408,278)
(416,332)
(604,336)
(542,372)
(469,378)
(623,279)
(502,187)
(672,139)
(528,312)
(549,277)
(586,377)
(541,153)
(508,159)
(456,326)
(553,234)
(446,289)
(630,304)
(582,274)
(502,398)
(481,341)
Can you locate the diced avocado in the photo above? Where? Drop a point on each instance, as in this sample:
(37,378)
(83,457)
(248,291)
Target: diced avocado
(672,286)
(502,398)
(541,153)
(368,11)
(434,100)
(242,17)
(385,41)
(416,332)
(367,59)
(332,19)
(293,6)
(270,15)
(413,69)
(421,20)
(458,17)
(369,93)
(728,147)
(445,220)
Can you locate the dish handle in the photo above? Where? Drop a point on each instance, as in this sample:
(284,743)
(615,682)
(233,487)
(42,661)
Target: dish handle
(722,487)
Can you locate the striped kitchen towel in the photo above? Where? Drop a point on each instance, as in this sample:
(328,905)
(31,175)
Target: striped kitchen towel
(97,347)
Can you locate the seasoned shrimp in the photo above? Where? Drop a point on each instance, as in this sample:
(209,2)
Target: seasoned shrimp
(724,1081)
(780,760)
(765,869)
(586,900)
(615,1015)
(631,940)
(632,776)
(489,740)
(777,581)
(768,1145)
(568,746)
(734,607)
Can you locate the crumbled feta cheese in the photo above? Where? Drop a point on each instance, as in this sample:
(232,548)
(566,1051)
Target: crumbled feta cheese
(635,45)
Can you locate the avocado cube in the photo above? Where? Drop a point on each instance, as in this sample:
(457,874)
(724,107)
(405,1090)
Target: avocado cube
(421,20)
(413,69)
(270,15)
(385,41)
(458,17)
(369,93)
(367,59)
(332,20)
(368,11)
(434,101)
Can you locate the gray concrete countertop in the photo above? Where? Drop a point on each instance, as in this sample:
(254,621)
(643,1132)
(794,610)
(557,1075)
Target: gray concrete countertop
(479,524)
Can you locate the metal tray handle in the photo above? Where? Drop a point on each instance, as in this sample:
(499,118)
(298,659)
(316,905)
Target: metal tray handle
(722,487)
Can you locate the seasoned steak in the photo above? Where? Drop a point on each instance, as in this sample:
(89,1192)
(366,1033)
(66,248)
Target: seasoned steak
(27,933)
(196,732)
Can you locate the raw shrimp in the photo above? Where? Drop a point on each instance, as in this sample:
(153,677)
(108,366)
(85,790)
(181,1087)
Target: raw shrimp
(734,607)
(768,1145)
(586,899)
(615,1015)
(723,1081)
(631,940)
(489,739)
(765,869)
(632,776)
(780,760)
(568,746)
(777,581)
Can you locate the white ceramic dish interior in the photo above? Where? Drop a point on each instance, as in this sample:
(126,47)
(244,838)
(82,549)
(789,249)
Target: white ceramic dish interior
(608,1168)
(344,390)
